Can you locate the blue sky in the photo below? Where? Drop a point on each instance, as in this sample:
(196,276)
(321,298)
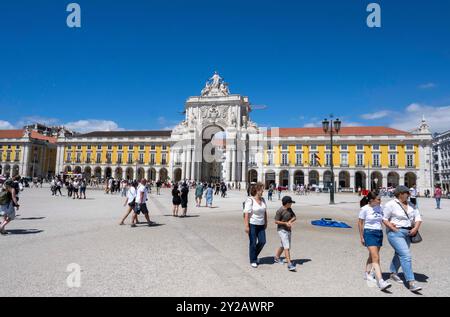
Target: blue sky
(133,63)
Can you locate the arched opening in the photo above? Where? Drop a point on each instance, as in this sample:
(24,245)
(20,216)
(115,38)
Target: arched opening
(163,175)
(284,178)
(410,179)
(213,154)
(108,172)
(151,174)
(77,170)
(393,179)
(313,178)
(252,176)
(270,178)
(67,169)
(98,172)
(140,173)
(129,174)
(344,179)
(376,181)
(360,180)
(118,173)
(87,172)
(327,179)
(1,170)
(177,175)
(299,178)
(15,170)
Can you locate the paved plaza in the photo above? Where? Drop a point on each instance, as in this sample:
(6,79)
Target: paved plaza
(205,254)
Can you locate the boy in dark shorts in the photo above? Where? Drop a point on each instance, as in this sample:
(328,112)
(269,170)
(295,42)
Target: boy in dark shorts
(284,218)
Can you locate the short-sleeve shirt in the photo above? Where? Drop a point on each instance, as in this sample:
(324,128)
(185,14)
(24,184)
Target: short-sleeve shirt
(394,213)
(372,216)
(141,189)
(257,211)
(131,194)
(284,215)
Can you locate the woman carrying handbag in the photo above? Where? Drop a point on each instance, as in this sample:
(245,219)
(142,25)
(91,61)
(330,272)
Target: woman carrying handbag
(403,221)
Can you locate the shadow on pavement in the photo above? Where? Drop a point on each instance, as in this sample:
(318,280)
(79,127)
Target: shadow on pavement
(301,261)
(31,218)
(24,231)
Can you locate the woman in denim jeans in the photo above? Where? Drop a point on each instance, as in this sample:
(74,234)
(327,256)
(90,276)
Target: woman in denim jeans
(255,221)
(403,221)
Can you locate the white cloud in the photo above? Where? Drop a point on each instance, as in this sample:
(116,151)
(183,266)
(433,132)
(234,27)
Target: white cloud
(89,125)
(162,121)
(311,125)
(376,115)
(37,119)
(427,86)
(438,118)
(5,125)
(351,124)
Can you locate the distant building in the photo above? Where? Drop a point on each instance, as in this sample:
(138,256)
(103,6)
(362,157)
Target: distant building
(441,155)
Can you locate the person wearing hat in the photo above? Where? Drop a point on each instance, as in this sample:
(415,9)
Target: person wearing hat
(403,221)
(284,218)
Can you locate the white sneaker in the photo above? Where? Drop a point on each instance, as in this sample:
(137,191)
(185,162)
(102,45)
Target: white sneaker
(383,285)
(370,277)
(254,265)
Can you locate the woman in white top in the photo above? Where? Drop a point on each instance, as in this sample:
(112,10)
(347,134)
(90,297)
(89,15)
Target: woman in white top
(130,200)
(371,234)
(255,221)
(403,221)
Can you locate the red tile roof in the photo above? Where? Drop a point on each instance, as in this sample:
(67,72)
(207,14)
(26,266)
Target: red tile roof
(355,131)
(17,134)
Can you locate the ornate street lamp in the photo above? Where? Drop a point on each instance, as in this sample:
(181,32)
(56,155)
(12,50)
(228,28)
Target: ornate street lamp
(330,126)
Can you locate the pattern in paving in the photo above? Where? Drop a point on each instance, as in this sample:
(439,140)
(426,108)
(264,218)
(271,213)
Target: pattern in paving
(205,254)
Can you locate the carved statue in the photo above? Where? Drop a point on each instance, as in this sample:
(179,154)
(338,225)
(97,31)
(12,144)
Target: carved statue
(224,89)
(215,86)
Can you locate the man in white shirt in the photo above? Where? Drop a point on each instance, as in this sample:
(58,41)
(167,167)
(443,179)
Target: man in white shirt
(413,195)
(141,206)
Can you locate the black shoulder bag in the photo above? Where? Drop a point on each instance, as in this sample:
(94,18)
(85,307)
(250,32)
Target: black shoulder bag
(416,238)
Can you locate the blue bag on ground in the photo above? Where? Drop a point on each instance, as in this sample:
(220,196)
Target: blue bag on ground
(326,222)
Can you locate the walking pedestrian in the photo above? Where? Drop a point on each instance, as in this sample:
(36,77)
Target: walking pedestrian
(255,222)
(184,198)
(371,235)
(284,219)
(8,205)
(209,196)
(141,205)
(438,196)
(403,221)
(130,201)
(83,186)
(176,200)
(199,194)
(413,195)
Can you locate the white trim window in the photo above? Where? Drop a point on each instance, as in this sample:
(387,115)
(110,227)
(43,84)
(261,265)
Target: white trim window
(269,158)
(376,160)
(344,159)
(284,159)
(299,159)
(328,159)
(359,159)
(393,160)
(409,160)
(130,158)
